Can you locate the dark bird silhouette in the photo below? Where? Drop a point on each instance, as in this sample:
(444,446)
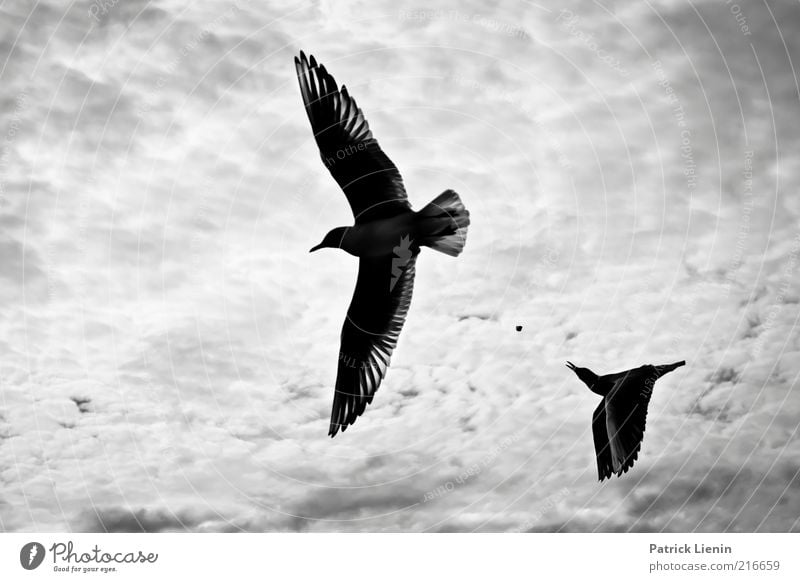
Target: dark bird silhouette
(386,237)
(619,420)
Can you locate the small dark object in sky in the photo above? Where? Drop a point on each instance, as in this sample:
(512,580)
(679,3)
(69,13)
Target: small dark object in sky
(386,237)
(619,420)
(519,328)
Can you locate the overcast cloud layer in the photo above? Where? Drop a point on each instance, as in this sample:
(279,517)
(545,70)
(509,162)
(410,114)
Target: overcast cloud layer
(168,346)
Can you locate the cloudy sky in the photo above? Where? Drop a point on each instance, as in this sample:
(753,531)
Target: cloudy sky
(169,347)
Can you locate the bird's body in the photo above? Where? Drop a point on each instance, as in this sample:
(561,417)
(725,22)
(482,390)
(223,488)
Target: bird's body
(387,236)
(380,237)
(377,237)
(618,422)
(605,384)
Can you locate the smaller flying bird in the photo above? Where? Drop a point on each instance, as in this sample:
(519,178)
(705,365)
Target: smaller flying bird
(387,235)
(619,420)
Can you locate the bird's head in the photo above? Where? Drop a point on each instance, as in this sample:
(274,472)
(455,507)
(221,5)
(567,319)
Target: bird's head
(585,374)
(332,240)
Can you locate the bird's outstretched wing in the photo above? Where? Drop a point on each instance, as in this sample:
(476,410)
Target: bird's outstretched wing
(369,335)
(370,180)
(602,447)
(626,416)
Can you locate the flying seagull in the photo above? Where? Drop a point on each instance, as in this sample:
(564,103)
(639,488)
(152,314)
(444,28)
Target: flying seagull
(386,237)
(619,420)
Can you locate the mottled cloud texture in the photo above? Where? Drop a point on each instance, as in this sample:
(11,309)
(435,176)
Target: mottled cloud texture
(169,346)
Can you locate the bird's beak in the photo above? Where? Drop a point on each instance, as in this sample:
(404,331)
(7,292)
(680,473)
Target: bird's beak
(316,248)
(570,365)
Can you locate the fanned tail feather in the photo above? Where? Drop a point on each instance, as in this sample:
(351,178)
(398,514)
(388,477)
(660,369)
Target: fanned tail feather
(444,222)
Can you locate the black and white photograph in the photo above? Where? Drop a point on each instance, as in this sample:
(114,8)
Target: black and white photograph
(372,267)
